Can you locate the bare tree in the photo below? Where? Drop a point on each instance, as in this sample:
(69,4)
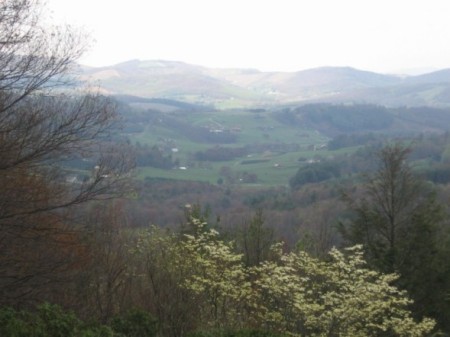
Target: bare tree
(400,223)
(386,215)
(33,56)
(44,123)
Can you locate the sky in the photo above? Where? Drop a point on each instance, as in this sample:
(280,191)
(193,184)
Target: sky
(387,36)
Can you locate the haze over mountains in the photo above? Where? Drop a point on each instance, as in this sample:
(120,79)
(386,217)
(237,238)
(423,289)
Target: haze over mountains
(249,87)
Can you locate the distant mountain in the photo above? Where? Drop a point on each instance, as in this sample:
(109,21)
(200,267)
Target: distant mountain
(305,84)
(440,76)
(329,81)
(165,79)
(247,87)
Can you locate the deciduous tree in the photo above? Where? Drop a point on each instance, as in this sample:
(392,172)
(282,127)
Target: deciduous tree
(398,220)
(304,296)
(43,124)
(292,293)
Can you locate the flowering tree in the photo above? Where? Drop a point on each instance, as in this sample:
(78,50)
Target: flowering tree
(220,281)
(307,297)
(291,293)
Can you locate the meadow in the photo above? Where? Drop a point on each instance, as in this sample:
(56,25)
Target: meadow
(275,151)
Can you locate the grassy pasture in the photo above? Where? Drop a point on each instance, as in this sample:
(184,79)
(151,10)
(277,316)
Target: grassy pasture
(257,130)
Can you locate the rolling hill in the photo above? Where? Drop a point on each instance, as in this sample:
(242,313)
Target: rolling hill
(249,87)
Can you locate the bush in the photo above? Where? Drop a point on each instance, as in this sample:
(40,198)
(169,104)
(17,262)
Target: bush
(314,173)
(234,333)
(135,323)
(47,321)
(11,325)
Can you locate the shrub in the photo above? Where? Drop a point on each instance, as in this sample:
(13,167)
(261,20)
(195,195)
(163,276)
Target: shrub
(135,323)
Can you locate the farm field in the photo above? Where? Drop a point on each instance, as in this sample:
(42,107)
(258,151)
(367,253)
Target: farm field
(273,151)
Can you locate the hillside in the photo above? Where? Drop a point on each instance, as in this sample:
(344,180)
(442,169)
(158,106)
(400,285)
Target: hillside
(228,88)
(164,79)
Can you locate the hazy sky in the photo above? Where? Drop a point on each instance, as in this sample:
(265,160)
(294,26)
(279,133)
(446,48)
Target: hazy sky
(284,35)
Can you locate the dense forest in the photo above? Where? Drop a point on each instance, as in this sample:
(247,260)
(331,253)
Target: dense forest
(120,219)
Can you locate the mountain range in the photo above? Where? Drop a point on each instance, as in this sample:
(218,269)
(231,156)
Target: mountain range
(251,87)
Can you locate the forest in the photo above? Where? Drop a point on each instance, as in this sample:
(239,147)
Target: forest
(123,216)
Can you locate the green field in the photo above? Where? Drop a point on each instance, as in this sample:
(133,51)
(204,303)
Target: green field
(275,160)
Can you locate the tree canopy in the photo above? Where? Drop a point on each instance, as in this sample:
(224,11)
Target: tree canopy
(398,220)
(289,293)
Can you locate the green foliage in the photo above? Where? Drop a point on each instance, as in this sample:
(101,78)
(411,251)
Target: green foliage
(349,140)
(292,293)
(438,174)
(161,266)
(341,297)
(52,321)
(12,325)
(314,173)
(398,220)
(219,281)
(135,323)
(193,215)
(235,333)
(394,202)
(220,153)
(254,240)
(333,118)
(47,321)
(153,156)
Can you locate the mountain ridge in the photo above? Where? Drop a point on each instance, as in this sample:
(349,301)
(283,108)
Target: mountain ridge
(245,87)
